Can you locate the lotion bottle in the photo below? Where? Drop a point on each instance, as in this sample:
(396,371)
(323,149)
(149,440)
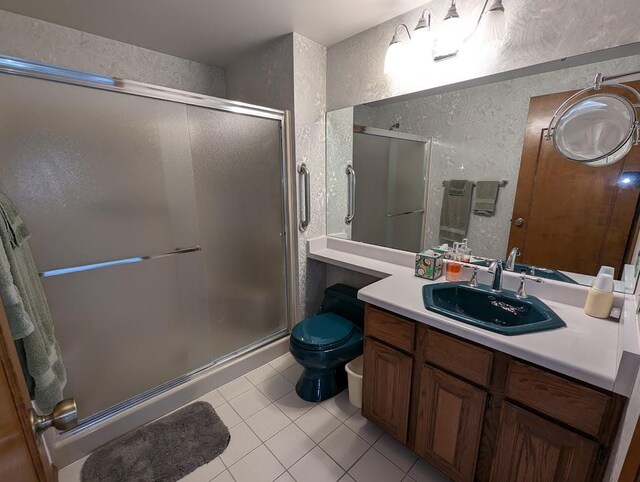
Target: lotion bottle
(600,297)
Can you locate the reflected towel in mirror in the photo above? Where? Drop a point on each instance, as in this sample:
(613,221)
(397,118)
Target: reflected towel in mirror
(456,210)
(486,197)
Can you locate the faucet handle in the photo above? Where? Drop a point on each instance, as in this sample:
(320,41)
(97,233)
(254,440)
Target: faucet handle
(522,292)
(473,282)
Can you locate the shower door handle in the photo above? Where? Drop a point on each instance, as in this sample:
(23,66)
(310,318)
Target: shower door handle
(351,194)
(304,171)
(63,417)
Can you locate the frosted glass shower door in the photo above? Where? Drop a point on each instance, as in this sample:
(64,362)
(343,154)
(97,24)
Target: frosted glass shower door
(100,175)
(237,162)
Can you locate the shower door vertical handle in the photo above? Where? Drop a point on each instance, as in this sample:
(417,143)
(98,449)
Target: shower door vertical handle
(304,171)
(351,194)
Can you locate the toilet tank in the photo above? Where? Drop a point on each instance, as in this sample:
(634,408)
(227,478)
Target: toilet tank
(343,301)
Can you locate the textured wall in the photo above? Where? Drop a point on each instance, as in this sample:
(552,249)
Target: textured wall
(478,134)
(539,31)
(309,63)
(339,155)
(46,42)
(264,76)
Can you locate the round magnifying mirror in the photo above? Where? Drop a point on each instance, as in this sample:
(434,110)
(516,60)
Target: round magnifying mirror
(597,130)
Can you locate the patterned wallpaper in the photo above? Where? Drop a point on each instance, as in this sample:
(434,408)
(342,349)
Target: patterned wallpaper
(339,155)
(478,135)
(33,39)
(539,31)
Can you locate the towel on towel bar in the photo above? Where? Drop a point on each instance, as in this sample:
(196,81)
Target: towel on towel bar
(27,309)
(456,209)
(486,197)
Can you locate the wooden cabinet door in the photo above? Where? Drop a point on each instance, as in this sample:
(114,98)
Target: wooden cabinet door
(386,389)
(532,449)
(449,424)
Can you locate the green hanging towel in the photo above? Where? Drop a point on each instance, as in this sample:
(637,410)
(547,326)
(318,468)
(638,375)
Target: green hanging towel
(27,309)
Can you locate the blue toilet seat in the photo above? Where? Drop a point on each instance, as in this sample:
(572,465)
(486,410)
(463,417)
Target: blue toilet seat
(322,332)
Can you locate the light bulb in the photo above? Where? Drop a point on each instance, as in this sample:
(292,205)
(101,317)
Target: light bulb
(450,38)
(422,43)
(393,61)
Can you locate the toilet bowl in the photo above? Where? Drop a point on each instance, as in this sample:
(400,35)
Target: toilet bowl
(323,344)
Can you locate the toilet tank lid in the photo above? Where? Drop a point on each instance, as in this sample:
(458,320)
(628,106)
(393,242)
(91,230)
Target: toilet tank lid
(323,331)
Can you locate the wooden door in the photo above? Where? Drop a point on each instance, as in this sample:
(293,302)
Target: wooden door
(386,389)
(449,423)
(576,218)
(22,455)
(532,449)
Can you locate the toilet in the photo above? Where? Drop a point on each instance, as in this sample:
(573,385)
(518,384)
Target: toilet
(324,343)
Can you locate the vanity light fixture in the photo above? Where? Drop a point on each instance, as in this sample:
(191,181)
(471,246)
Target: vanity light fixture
(450,38)
(396,56)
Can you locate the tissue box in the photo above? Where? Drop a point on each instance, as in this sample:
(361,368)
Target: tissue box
(429,264)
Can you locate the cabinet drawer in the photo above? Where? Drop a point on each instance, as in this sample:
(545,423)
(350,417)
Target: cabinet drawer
(389,328)
(567,401)
(457,356)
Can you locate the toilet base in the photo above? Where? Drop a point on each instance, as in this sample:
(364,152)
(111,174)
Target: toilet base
(316,385)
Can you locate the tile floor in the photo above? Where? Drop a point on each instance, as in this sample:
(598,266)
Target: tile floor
(276,436)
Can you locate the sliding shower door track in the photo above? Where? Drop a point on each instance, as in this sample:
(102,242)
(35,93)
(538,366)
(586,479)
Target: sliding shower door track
(105,415)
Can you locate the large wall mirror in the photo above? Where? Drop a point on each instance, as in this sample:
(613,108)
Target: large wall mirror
(476,163)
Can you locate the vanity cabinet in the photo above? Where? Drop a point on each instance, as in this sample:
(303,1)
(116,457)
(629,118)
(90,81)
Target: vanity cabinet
(479,414)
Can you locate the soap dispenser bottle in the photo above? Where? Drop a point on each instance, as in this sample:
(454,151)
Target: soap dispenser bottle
(600,297)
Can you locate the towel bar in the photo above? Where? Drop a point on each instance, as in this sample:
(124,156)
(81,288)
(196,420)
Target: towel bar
(502,183)
(106,264)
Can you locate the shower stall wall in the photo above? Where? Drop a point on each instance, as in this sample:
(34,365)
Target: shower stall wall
(105,170)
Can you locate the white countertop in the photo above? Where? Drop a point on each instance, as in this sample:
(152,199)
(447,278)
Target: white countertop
(604,353)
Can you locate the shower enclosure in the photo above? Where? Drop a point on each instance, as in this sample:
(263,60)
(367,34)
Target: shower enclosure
(160,222)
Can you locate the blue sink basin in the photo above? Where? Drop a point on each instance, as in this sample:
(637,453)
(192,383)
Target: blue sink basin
(545,273)
(480,306)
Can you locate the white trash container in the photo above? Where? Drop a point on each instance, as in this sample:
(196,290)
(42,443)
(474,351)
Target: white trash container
(354,375)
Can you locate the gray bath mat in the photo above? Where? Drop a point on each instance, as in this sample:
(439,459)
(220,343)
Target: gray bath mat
(165,450)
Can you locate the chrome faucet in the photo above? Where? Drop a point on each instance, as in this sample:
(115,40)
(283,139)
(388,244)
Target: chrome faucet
(511,259)
(496,268)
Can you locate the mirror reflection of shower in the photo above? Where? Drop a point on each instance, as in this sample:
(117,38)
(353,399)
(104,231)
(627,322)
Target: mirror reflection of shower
(392,172)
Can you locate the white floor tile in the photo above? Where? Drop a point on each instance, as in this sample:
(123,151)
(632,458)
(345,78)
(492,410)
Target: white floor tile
(285,478)
(283,362)
(293,406)
(396,452)
(276,387)
(375,467)
(205,472)
(344,446)
(228,415)
(268,422)
(293,373)
(290,445)
(317,423)
(235,388)
(250,402)
(71,473)
(261,374)
(213,397)
(243,441)
(365,429)
(425,472)
(259,466)
(316,466)
(224,477)
(339,406)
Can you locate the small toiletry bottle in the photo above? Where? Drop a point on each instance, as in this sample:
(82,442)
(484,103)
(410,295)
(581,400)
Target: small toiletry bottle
(465,252)
(453,270)
(600,297)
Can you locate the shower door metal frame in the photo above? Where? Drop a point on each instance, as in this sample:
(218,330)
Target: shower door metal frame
(38,70)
